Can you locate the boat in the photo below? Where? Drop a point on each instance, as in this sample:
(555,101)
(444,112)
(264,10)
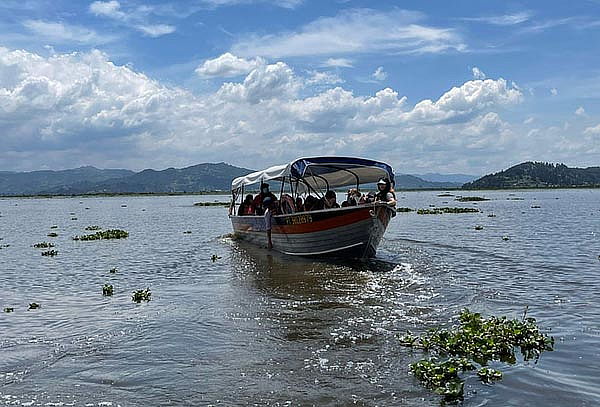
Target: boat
(351,231)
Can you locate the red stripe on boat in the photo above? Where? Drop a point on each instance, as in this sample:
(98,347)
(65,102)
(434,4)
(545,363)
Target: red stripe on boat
(325,224)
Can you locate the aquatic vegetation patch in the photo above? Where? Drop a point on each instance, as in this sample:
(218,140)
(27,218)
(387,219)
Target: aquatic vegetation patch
(93,227)
(34,305)
(106,234)
(9,309)
(211,204)
(113,270)
(471,199)
(445,195)
(214,258)
(404,210)
(141,295)
(107,290)
(50,253)
(43,245)
(52,234)
(53,227)
(439,211)
(476,341)
(187,232)
(478,227)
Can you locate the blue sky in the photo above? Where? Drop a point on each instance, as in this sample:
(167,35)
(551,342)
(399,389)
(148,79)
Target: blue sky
(461,86)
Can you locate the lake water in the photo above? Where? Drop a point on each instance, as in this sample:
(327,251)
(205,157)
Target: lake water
(257,328)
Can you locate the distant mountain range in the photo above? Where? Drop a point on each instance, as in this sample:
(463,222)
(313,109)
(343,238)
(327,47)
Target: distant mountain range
(539,175)
(197,178)
(217,177)
(458,179)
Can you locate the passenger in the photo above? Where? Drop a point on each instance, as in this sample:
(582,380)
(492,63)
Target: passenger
(385,194)
(311,203)
(299,205)
(258,200)
(353,198)
(369,198)
(246,207)
(287,205)
(268,205)
(329,201)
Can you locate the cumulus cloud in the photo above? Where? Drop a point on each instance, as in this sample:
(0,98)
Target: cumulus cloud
(553,91)
(379,74)
(82,109)
(592,131)
(479,74)
(580,111)
(355,31)
(137,18)
(228,66)
(323,78)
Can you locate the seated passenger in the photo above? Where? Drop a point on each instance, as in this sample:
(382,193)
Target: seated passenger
(385,194)
(369,198)
(353,198)
(287,204)
(329,201)
(311,203)
(246,207)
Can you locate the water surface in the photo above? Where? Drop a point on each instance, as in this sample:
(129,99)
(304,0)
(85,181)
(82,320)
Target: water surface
(258,328)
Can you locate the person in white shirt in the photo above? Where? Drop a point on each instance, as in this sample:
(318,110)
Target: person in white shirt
(268,205)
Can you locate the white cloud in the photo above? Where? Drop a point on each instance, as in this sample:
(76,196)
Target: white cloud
(580,111)
(592,131)
(479,74)
(379,74)
(355,31)
(58,32)
(82,109)
(338,62)
(553,91)
(137,18)
(156,30)
(323,78)
(529,120)
(505,19)
(228,66)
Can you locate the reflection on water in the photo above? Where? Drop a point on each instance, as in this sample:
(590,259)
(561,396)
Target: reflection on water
(261,328)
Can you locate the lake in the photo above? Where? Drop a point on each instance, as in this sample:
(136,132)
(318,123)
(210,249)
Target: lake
(258,328)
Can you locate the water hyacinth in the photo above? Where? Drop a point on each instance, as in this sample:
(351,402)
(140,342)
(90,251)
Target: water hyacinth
(471,199)
(476,340)
(141,295)
(106,234)
(214,258)
(50,253)
(43,245)
(93,227)
(35,305)
(439,211)
(52,234)
(107,290)
(9,309)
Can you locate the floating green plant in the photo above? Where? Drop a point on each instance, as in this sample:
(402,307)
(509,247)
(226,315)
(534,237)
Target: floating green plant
(478,227)
(53,227)
(73,218)
(439,211)
(35,305)
(491,215)
(214,257)
(141,295)
(106,234)
(404,210)
(535,207)
(43,245)
(505,238)
(93,227)
(4,246)
(471,199)
(211,204)
(113,270)
(445,195)
(52,234)
(476,341)
(50,253)
(107,290)
(187,232)
(9,309)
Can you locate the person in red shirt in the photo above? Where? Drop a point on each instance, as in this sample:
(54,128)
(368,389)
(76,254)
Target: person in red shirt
(259,208)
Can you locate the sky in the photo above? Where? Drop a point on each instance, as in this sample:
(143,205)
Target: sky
(428,86)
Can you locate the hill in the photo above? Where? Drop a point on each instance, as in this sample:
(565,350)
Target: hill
(405,181)
(539,175)
(29,183)
(458,179)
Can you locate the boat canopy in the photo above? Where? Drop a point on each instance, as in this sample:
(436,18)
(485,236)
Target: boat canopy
(321,172)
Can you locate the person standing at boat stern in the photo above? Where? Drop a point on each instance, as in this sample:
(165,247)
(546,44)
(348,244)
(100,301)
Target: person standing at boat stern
(384,192)
(268,205)
(258,203)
